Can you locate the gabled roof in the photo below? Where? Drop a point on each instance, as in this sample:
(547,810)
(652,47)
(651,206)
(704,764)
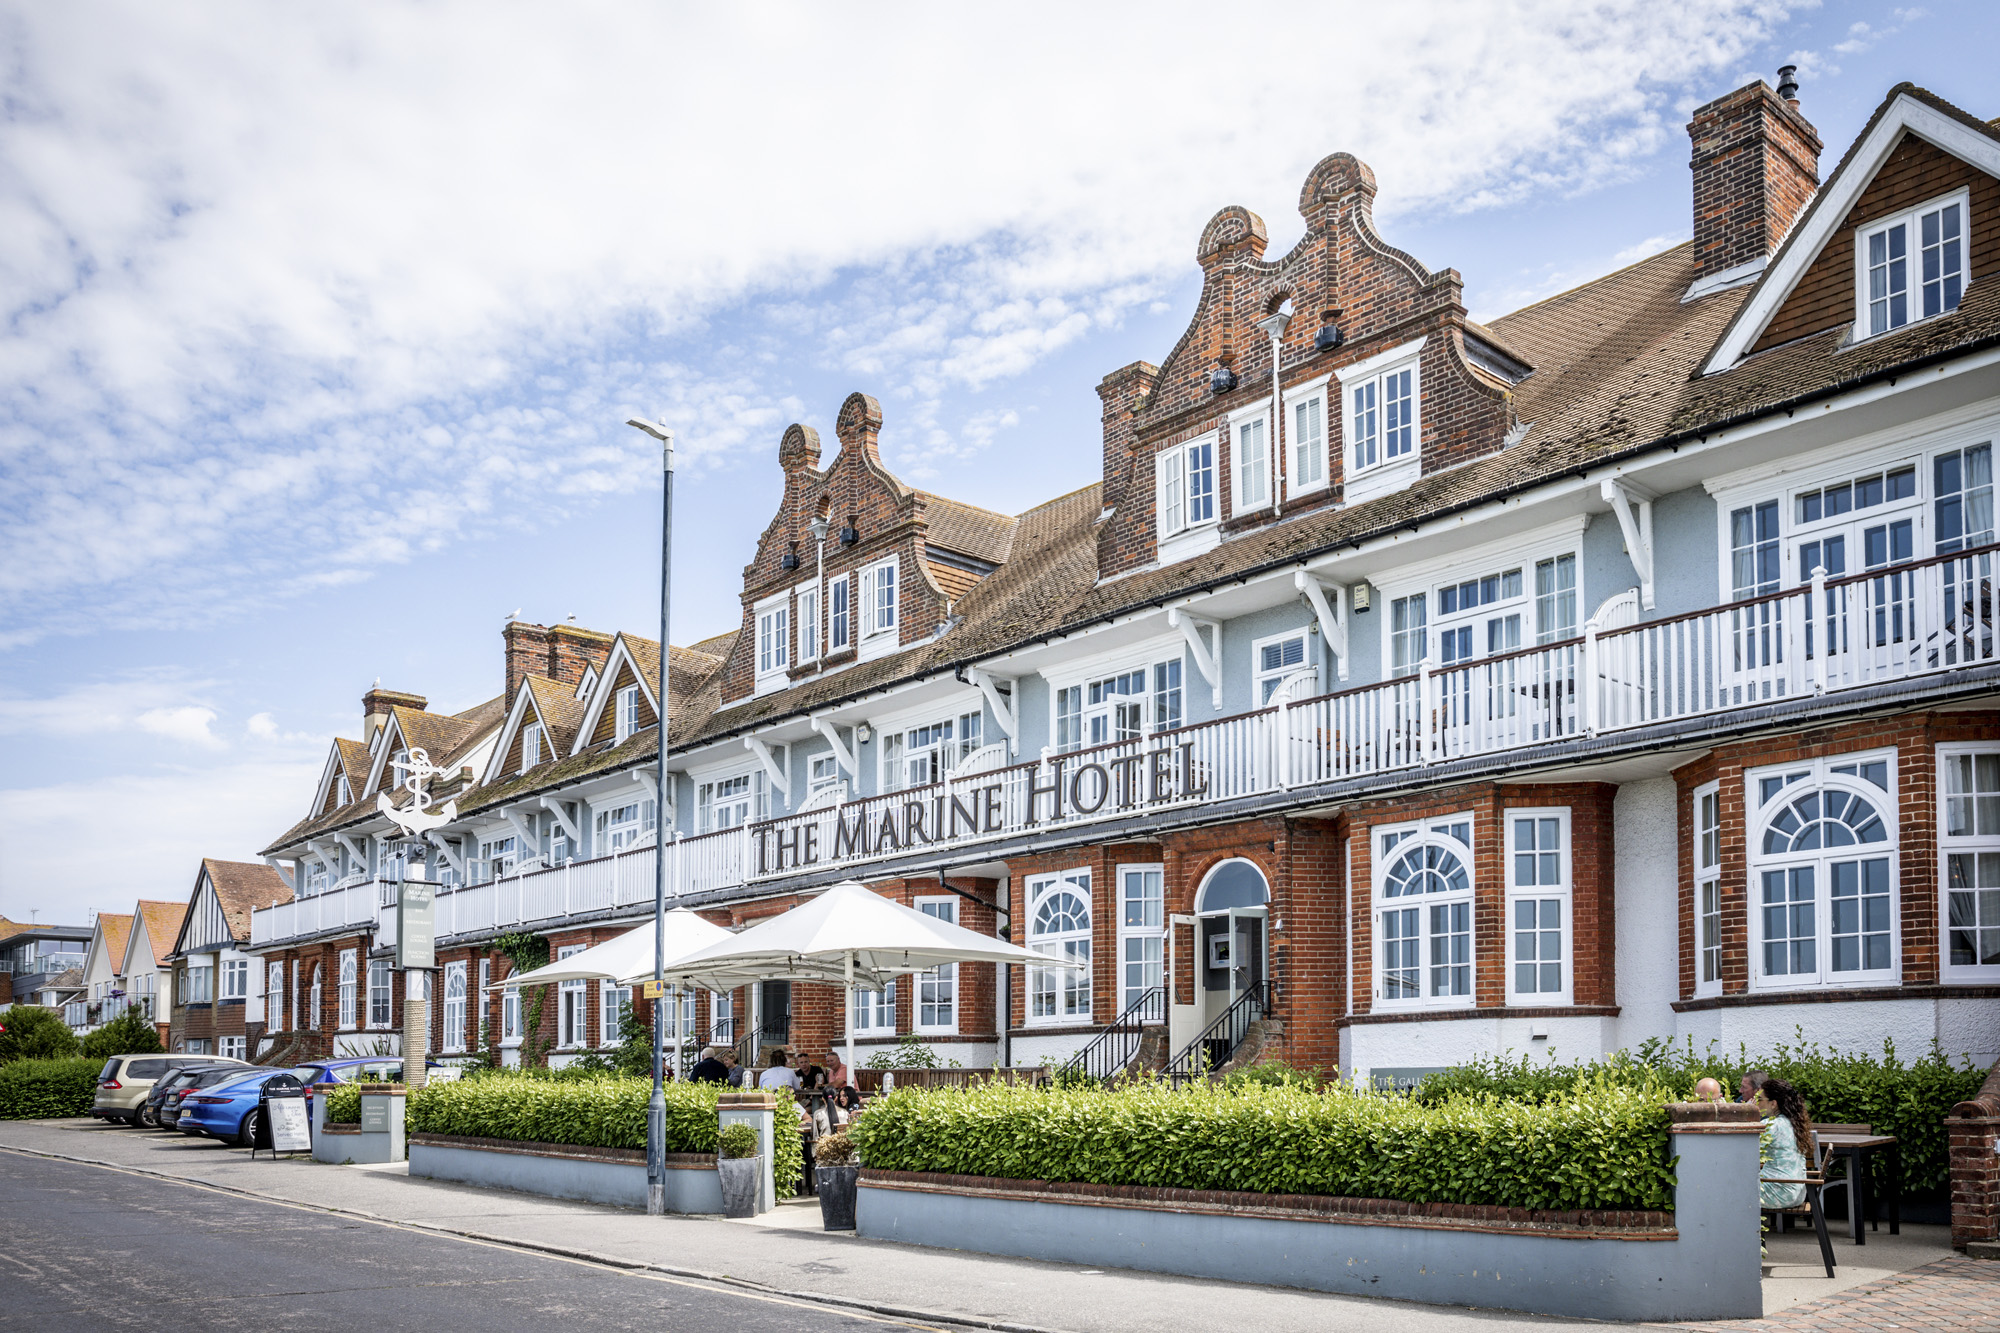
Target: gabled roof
(109,938)
(160,923)
(442,736)
(1908,109)
(967,529)
(241,887)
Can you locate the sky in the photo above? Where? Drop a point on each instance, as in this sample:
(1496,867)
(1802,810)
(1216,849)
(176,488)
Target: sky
(321,323)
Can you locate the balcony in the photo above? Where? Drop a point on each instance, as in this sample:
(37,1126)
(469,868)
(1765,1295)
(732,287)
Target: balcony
(1834,635)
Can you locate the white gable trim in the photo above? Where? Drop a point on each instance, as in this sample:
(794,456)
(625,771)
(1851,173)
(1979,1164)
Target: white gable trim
(1836,200)
(386,746)
(331,774)
(523,701)
(602,699)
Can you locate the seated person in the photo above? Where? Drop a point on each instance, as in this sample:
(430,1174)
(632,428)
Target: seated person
(779,1075)
(1782,1148)
(712,1068)
(1746,1087)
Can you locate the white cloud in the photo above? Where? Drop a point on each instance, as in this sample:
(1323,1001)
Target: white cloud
(166,822)
(275,322)
(188,725)
(159,704)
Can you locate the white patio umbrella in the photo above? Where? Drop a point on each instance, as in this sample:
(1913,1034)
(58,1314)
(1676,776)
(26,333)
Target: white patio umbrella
(848,935)
(628,956)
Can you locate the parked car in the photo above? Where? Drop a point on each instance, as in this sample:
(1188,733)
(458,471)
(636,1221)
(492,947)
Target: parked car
(127,1080)
(163,1108)
(228,1110)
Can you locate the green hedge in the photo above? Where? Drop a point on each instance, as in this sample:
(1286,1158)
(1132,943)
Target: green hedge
(30,1032)
(1909,1101)
(343,1104)
(607,1111)
(1605,1147)
(45,1089)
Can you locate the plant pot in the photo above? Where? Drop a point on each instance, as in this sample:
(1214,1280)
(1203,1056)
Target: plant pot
(837,1186)
(742,1180)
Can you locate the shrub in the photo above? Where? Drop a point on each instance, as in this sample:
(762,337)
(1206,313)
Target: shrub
(599,1111)
(835,1149)
(45,1089)
(736,1141)
(1604,1147)
(30,1032)
(1909,1101)
(343,1104)
(131,1033)
(909,1053)
(1270,1074)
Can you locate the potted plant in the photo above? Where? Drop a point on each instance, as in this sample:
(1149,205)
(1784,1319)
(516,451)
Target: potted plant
(838,1175)
(740,1170)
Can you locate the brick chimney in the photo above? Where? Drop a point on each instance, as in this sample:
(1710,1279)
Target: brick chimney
(375,707)
(1756,164)
(527,653)
(574,649)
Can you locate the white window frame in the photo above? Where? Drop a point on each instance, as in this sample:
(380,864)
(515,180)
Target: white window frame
(806,616)
(613,1001)
(875,1011)
(350,1015)
(840,614)
(478,1000)
(1264,682)
(1063,996)
(274,995)
(1428,578)
(899,752)
(510,1016)
(1524,889)
(881,617)
(934,1007)
(1148,935)
(572,1007)
(504,848)
(752,801)
(822,771)
(1977,843)
(1252,476)
(1301,444)
(234,1048)
(1437,831)
(623,822)
(1185,523)
(1819,775)
(625,717)
(772,618)
(235,979)
(1369,468)
(453,1011)
(1074,719)
(1707,923)
(1912,220)
(531,745)
(317,995)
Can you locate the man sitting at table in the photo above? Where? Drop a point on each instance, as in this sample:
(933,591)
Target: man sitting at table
(1705,1090)
(711,1068)
(779,1075)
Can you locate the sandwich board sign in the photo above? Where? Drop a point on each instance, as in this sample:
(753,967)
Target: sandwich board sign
(282,1126)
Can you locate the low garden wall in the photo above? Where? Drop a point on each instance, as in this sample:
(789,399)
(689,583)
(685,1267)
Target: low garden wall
(1613,1205)
(560,1171)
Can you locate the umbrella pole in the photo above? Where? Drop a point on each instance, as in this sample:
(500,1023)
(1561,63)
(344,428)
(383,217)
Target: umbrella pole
(853,1077)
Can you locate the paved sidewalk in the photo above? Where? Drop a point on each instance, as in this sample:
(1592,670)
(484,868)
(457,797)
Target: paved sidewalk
(787,1252)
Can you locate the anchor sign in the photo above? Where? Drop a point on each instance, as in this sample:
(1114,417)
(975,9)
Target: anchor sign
(416,819)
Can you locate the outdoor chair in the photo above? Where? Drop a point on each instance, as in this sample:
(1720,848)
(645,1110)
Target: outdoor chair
(1813,1207)
(1845,1183)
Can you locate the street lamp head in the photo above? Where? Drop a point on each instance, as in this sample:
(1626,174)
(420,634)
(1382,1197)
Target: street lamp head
(652,428)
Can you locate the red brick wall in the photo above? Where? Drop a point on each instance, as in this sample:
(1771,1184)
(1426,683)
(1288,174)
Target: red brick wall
(1915,738)
(1972,1131)
(1755,164)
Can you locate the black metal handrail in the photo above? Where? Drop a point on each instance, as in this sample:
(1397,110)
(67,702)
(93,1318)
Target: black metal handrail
(1219,1040)
(1110,1052)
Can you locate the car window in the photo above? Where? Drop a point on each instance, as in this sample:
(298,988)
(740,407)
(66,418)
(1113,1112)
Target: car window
(110,1070)
(208,1078)
(145,1068)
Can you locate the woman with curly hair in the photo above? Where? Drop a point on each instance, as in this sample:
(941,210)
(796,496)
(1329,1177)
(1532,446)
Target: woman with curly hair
(1782,1149)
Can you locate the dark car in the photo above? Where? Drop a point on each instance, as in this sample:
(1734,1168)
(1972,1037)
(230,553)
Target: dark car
(163,1108)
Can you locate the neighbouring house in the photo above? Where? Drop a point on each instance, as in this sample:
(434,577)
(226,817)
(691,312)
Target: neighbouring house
(37,961)
(216,1008)
(149,947)
(1408,688)
(103,976)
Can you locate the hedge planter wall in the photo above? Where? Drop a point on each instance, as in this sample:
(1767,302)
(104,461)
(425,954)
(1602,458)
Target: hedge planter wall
(46,1089)
(1603,1146)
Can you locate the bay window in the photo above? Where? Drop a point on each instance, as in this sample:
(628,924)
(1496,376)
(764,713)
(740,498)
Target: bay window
(236,979)
(274,996)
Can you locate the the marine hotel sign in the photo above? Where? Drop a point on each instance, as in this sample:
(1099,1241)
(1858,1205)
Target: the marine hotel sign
(880,825)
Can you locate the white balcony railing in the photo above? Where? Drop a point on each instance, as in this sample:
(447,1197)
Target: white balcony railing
(1832,635)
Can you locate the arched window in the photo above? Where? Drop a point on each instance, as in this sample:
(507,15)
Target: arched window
(1425,892)
(349,1011)
(1823,873)
(1232,883)
(1060,928)
(454,1007)
(315,997)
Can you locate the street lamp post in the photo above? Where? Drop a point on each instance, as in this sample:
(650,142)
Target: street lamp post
(656,1109)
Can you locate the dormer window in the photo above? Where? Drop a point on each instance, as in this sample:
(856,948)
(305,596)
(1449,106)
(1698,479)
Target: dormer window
(626,706)
(399,769)
(1911,266)
(531,745)
(1383,401)
(1184,475)
(343,794)
(878,599)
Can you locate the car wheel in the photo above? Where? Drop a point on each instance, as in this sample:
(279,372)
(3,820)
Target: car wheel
(148,1118)
(246,1137)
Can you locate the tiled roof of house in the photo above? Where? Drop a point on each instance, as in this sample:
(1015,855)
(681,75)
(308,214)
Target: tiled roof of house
(559,708)
(243,886)
(163,926)
(117,928)
(967,529)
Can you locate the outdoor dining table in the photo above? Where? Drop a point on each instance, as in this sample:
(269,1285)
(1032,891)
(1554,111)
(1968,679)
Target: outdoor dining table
(1860,1203)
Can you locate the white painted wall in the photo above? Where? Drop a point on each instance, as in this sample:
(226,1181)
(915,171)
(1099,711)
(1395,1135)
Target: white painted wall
(1646,910)
(1445,1042)
(1961,1027)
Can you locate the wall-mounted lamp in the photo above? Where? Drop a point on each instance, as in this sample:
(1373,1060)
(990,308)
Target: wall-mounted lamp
(1329,335)
(848,536)
(1221,380)
(791,558)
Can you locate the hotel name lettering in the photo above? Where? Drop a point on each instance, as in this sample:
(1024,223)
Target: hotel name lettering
(878,826)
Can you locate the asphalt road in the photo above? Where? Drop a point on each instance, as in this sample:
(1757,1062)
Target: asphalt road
(88,1248)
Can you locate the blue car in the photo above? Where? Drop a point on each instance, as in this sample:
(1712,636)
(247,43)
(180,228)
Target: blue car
(228,1111)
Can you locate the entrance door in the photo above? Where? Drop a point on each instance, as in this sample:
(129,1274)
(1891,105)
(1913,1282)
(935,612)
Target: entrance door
(1246,933)
(775,1014)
